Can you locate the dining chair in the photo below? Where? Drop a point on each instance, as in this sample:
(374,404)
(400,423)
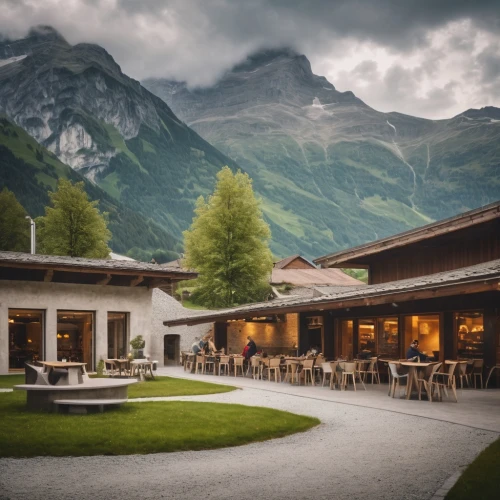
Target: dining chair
(462,374)
(493,368)
(200,363)
(373,370)
(427,379)
(327,370)
(238,363)
(396,377)
(318,367)
(307,368)
(445,381)
(361,367)
(335,376)
(350,371)
(256,367)
(274,366)
(292,368)
(210,364)
(224,363)
(477,371)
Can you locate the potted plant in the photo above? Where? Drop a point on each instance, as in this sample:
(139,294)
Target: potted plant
(138,344)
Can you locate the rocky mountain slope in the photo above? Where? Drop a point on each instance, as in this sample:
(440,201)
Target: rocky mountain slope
(76,102)
(332,171)
(30,171)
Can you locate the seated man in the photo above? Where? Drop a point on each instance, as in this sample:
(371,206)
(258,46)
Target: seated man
(413,352)
(198,346)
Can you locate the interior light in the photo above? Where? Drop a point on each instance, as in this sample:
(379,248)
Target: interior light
(66,335)
(11,320)
(59,336)
(29,341)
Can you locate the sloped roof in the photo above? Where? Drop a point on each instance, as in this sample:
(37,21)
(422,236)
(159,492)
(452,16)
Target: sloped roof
(472,279)
(310,277)
(284,262)
(461,221)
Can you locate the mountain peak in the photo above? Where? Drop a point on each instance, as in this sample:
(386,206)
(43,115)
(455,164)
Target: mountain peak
(45,32)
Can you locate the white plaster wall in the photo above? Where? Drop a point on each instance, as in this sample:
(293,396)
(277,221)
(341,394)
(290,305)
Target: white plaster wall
(51,297)
(166,307)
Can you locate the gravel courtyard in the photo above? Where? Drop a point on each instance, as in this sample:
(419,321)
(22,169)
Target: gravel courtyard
(356,453)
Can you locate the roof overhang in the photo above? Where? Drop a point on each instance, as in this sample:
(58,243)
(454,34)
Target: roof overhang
(426,287)
(352,256)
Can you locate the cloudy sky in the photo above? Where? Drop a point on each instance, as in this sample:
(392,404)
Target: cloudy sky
(430,58)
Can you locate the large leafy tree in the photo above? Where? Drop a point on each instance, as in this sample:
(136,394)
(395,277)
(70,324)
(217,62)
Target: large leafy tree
(14,228)
(227,244)
(73,225)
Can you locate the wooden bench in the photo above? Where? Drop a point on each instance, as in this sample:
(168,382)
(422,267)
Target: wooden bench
(81,405)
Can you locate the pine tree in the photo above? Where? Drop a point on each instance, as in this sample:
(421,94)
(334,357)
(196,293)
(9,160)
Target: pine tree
(14,228)
(73,225)
(228,244)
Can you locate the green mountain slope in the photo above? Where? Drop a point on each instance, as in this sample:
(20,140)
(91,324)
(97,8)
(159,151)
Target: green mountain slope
(30,171)
(332,171)
(77,103)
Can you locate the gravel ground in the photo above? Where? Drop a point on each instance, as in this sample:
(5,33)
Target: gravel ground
(356,453)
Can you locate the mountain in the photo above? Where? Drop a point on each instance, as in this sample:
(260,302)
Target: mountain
(30,171)
(332,171)
(76,102)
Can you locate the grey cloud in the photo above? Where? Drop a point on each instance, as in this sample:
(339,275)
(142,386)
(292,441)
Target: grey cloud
(489,63)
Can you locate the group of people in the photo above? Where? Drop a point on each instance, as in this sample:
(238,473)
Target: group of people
(206,345)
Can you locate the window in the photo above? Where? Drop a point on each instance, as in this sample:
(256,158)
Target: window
(366,336)
(469,328)
(117,335)
(25,337)
(425,329)
(346,332)
(75,337)
(388,338)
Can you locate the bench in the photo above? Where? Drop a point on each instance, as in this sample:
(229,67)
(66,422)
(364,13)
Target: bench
(81,405)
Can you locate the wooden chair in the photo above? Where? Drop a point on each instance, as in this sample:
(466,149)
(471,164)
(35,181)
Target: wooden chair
(307,368)
(334,377)
(462,374)
(292,370)
(493,368)
(109,367)
(395,377)
(224,363)
(274,366)
(477,371)
(318,367)
(210,364)
(445,381)
(256,367)
(327,370)
(200,363)
(427,379)
(373,370)
(238,363)
(350,370)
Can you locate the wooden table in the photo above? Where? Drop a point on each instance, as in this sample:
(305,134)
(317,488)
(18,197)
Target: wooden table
(120,364)
(75,370)
(142,367)
(412,373)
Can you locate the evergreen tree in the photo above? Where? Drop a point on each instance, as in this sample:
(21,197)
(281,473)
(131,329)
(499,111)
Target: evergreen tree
(73,225)
(228,244)
(14,228)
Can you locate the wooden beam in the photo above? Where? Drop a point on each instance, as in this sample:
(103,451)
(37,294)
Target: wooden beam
(49,273)
(136,281)
(105,280)
(159,283)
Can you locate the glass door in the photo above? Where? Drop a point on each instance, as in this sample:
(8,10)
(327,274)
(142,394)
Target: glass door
(75,337)
(25,337)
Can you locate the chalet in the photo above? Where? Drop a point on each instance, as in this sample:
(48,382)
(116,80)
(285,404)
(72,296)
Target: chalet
(439,283)
(79,309)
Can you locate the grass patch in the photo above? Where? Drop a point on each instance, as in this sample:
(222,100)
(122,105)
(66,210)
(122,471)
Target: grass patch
(141,428)
(480,479)
(9,381)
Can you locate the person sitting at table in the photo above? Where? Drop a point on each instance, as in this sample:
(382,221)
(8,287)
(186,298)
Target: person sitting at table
(198,345)
(211,345)
(413,352)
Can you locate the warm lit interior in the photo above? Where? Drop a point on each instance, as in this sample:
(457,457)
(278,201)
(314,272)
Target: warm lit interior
(469,328)
(425,329)
(25,337)
(74,337)
(117,335)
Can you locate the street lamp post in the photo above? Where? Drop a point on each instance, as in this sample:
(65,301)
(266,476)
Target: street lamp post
(33,234)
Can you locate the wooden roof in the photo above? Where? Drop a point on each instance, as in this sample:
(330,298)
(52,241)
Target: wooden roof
(281,264)
(311,277)
(52,268)
(474,279)
(354,256)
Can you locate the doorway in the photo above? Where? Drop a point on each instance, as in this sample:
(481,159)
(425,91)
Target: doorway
(75,337)
(117,335)
(25,337)
(171,350)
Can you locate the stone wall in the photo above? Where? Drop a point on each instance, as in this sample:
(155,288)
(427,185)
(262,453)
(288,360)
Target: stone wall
(51,297)
(271,337)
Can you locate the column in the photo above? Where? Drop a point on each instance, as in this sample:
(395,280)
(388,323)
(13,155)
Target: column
(100,336)
(50,334)
(4,339)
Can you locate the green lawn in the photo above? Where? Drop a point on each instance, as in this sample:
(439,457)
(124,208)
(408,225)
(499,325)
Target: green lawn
(481,479)
(150,427)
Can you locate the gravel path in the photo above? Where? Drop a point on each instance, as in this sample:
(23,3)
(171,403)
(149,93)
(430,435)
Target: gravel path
(356,453)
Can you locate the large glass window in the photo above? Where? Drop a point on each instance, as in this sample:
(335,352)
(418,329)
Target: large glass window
(25,337)
(75,337)
(117,335)
(469,328)
(366,336)
(388,338)
(346,336)
(425,329)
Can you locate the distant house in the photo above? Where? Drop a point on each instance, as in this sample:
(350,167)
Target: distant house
(79,309)
(439,283)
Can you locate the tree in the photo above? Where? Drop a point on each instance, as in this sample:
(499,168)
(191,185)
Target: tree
(227,244)
(14,228)
(73,225)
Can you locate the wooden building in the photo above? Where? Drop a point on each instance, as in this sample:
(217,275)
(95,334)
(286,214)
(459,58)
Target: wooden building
(439,283)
